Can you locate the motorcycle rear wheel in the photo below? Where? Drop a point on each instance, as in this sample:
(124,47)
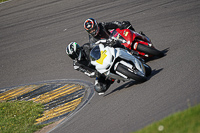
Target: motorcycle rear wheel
(149,50)
(130,74)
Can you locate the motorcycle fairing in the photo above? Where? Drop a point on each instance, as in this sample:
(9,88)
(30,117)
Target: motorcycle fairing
(127,56)
(129,39)
(128,35)
(105,60)
(108,56)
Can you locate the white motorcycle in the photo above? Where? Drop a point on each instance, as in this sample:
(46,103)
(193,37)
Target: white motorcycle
(118,63)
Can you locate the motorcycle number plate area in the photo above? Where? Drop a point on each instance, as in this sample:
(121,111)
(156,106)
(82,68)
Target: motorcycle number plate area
(103,56)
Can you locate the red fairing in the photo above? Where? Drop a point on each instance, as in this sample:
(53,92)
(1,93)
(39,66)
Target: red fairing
(128,35)
(135,41)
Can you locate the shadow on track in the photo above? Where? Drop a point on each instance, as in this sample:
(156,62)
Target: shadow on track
(131,83)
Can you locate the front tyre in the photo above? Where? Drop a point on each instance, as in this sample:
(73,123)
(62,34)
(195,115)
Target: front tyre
(149,50)
(130,74)
(148,70)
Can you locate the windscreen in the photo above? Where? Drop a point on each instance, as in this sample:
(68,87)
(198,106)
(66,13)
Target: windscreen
(95,53)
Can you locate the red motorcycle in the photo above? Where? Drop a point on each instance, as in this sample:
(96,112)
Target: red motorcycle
(135,41)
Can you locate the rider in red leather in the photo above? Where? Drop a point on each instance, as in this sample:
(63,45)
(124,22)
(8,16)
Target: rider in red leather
(101,30)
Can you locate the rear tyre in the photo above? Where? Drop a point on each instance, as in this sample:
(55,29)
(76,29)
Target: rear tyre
(130,74)
(149,50)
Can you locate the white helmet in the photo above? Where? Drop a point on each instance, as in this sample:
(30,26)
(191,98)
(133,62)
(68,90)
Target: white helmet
(73,50)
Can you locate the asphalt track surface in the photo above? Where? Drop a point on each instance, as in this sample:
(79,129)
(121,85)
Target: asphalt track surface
(34,34)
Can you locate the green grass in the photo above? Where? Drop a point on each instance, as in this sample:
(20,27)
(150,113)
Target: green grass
(19,116)
(3,0)
(187,121)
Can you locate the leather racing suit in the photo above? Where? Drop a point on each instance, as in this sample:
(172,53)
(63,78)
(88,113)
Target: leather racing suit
(83,65)
(105,27)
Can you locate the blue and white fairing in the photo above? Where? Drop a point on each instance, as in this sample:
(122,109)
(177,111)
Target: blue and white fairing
(103,57)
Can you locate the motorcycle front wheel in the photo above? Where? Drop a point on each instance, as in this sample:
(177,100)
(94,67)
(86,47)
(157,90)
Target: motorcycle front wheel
(149,50)
(129,73)
(148,70)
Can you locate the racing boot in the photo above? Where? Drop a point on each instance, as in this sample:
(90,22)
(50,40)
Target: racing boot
(101,86)
(142,33)
(127,25)
(145,37)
